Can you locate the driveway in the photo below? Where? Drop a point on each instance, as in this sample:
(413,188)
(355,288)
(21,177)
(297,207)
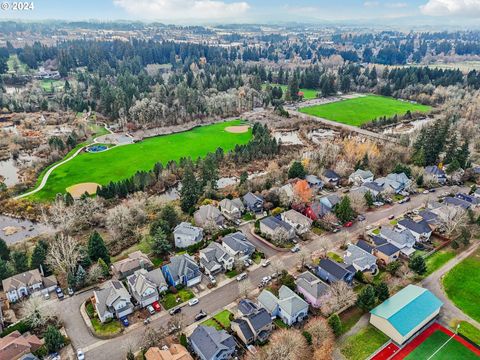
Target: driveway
(269,251)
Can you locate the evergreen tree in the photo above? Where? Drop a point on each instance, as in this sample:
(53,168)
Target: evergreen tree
(417,264)
(19,261)
(366,299)
(336,324)
(169,216)
(53,339)
(369,200)
(381,291)
(103,265)
(39,256)
(343,210)
(4,250)
(400,168)
(80,277)
(97,249)
(189,193)
(5,270)
(243,177)
(160,244)
(296,171)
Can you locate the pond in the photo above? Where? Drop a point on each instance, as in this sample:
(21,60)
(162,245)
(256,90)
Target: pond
(9,171)
(288,137)
(15,230)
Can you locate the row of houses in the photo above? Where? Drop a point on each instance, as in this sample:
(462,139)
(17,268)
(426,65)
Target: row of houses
(30,282)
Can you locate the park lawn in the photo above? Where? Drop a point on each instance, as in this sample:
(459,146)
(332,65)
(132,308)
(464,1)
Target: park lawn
(452,350)
(308,94)
(223,317)
(361,110)
(470,332)
(438,259)
(112,327)
(124,161)
(462,285)
(361,345)
(170,300)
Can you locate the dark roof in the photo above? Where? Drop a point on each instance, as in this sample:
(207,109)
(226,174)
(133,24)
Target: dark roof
(246,306)
(378,240)
(434,170)
(273,223)
(334,268)
(418,227)
(244,328)
(458,202)
(372,185)
(251,199)
(387,249)
(362,244)
(209,340)
(320,209)
(260,319)
(331,174)
(428,216)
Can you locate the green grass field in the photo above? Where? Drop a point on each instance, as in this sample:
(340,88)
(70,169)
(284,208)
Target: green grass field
(438,259)
(361,345)
(308,94)
(49,85)
(123,161)
(452,350)
(462,285)
(362,110)
(223,317)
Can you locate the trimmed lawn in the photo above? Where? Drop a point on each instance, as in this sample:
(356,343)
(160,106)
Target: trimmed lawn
(230,274)
(142,246)
(308,94)
(280,324)
(350,317)
(47,85)
(107,329)
(438,259)
(462,285)
(223,317)
(361,345)
(124,161)
(469,331)
(335,257)
(452,350)
(170,300)
(363,109)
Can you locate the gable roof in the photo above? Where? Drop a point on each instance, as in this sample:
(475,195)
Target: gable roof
(213,255)
(320,209)
(185,228)
(362,244)
(290,302)
(311,284)
(408,308)
(428,216)
(15,344)
(229,205)
(296,217)
(252,199)
(246,306)
(435,171)
(25,279)
(334,268)
(182,265)
(110,294)
(141,280)
(457,202)
(373,186)
(364,174)
(259,319)
(330,174)
(207,213)
(274,223)
(135,260)
(387,249)
(417,227)
(404,238)
(378,240)
(238,242)
(357,255)
(209,341)
(244,328)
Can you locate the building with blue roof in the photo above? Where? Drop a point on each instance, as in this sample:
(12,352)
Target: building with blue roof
(405,313)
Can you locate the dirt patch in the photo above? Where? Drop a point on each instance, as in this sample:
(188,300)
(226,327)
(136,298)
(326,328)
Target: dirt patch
(237,129)
(79,189)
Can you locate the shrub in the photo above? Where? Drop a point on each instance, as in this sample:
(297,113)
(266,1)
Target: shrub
(173,289)
(307,337)
(183,340)
(21,326)
(336,324)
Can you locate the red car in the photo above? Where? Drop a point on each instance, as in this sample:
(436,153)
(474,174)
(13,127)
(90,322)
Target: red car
(157,306)
(348,224)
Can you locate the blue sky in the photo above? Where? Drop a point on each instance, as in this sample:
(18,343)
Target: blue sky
(215,11)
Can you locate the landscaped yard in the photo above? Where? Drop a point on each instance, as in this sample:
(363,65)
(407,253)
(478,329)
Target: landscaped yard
(230,274)
(49,85)
(361,345)
(124,161)
(363,109)
(107,329)
(170,300)
(222,317)
(438,259)
(334,256)
(462,285)
(308,94)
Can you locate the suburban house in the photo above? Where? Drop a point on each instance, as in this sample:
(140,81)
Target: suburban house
(185,235)
(314,182)
(362,244)
(113,300)
(405,313)
(330,271)
(360,259)
(253,203)
(16,345)
(404,240)
(331,177)
(372,187)
(438,174)
(232,209)
(455,201)
(472,199)
(286,193)
(289,307)
(360,177)
(300,222)
(174,352)
(386,252)
(421,230)
(311,287)
(135,261)
(209,343)
(208,216)
(396,182)
(253,327)
(430,217)
(238,246)
(182,270)
(246,307)
(330,200)
(274,227)
(145,286)
(215,258)
(317,210)
(23,285)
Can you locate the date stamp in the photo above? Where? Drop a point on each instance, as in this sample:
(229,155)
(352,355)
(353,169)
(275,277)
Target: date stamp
(17,6)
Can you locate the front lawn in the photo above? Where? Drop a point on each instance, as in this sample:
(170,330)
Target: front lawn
(462,285)
(361,345)
(335,257)
(110,328)
(230,274)
(170,300)
(376,232)
(248,216)
(223,317)
(438,259)
(318,231)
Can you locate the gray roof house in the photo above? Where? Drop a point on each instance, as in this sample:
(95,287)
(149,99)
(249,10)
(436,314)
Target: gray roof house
(449,200)
(208,215)
(330,200)
(311,287)
(429,217)
(215,258)
(135,261)
(253,327)
(113,300)
(373,187)
(246,307)
(253,202)
(360,259)
(330,271)
(438,174)
(290,307)
(238,246)
(182,270)
(404,239)
(396,182)
(232,209)
(185,235)
(209,343)
(386,253)
(421,230)
(275,227)
(300,222)
(314,182)
(362,244)
(360,176)
(24,284)
(145,286)
(331,177)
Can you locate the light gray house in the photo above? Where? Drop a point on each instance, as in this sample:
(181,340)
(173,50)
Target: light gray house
(215,258)
(208,216)
(300,222)
(421,229)
(232,209)
(253,327)
(23,285)
(311,287)
(145,286)
(238,246)
(330,200)
(185,235)
(209,343)
(288,306)
(360,176)
(135,261)
(113,300)
(360,259)
(396,182)
(404,240)
(276,228)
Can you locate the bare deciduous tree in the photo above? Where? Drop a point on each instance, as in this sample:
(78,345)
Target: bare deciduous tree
(452,218)
(339,296)
(36,311)
(63,254)
(322,338)
(285,345)
(244,288)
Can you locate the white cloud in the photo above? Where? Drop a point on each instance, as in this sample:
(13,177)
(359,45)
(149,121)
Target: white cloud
(470,8)
(183,9)
(371,4)
(397,5)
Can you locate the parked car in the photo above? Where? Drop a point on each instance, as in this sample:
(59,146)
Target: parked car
(348,224)
(80,355)
(157,306)
(212,279)
(246,263)
(425,192)
(59,292)
(266,263)
(361,217)
(266,279)
(151,310)
(295,249)
(124,321)
(193,302)
(202,314)
(418,246)
(274,275)
(176,310)
(432,190)
(242,276)
(335,230)
(391,217)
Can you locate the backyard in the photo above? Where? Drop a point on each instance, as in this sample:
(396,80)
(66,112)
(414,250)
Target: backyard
(361,345)
(222,320)
(363,109)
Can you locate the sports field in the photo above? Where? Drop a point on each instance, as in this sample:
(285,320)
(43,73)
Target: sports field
(361,110)
(123,161)
(308,94)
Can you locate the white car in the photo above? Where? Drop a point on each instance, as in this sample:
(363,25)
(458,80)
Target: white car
(266,263)
(212,279)
(242,276)
(80,355)
(151,310)
(193,301)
